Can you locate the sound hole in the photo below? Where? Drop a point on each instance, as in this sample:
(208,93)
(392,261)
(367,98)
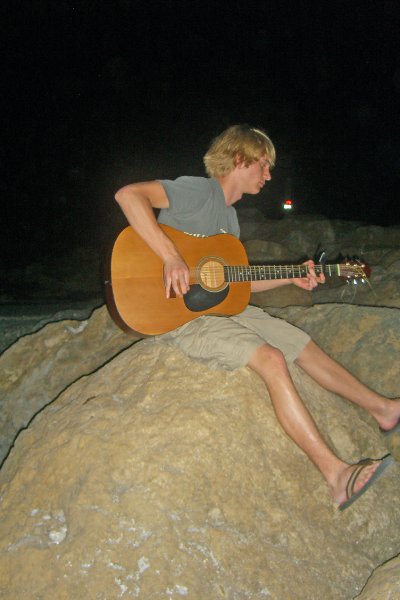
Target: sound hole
(211,274)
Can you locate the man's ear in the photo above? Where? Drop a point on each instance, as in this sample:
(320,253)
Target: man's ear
(239,161)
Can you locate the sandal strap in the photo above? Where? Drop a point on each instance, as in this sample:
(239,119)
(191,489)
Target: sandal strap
(361,465)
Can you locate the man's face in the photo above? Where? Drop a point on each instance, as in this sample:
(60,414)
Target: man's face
(255,175)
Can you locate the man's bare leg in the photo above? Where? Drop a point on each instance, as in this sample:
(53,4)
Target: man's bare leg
(335,378)
(297,422)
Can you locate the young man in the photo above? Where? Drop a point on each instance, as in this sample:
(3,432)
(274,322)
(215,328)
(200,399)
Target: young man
(239,162)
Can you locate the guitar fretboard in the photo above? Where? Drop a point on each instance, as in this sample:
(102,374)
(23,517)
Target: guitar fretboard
(265,272)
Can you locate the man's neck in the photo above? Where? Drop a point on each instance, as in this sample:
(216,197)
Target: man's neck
(230,188)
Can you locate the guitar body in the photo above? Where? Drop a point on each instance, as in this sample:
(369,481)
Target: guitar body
(136,294)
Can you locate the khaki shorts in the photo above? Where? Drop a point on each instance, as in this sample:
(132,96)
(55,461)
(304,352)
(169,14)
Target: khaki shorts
(229,342)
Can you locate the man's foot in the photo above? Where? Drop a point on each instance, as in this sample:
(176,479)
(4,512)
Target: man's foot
(362,476)
(392,430)
(389,419)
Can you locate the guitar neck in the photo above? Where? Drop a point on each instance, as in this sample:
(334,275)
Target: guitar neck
(266,272)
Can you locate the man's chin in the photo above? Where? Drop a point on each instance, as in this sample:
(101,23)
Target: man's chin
(254,191)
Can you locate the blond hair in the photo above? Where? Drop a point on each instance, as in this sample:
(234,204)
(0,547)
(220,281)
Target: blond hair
(239,142)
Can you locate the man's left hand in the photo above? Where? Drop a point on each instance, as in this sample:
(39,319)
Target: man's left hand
(312,280)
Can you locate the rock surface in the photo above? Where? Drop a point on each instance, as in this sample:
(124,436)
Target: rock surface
(295,239)
(384,583)
(366,339)
(147,475)
(155,477)
(291,239)
(39,366)
(22,319)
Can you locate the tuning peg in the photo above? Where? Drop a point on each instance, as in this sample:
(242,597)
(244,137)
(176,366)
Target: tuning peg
(320,256)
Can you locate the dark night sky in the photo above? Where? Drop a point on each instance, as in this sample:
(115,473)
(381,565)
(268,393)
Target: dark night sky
(98,94)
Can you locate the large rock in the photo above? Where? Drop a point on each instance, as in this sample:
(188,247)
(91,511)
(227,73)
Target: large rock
(365,339)
(155,477)
(148,475)
(292,239)
(296,238)
(39,366)
(17,320)
(384,583)
(380,289)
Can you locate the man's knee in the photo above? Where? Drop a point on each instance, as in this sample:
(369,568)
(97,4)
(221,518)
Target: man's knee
(310,353)
(267,356)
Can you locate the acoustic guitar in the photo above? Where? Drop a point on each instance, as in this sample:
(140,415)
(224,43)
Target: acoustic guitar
(220,279)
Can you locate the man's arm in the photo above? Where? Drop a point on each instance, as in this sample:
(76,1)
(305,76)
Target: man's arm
(137,202)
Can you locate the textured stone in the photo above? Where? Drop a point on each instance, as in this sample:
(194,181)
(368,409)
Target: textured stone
(365,339)
(294,239)
(287,295)
(39,366)
(23,319)
(381,289)
(384,583)
(155,477)
(144,474)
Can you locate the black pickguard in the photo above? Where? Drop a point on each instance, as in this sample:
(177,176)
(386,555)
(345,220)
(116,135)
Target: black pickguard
(198,299)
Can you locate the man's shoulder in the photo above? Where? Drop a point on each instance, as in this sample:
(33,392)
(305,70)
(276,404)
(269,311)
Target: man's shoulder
(187,181)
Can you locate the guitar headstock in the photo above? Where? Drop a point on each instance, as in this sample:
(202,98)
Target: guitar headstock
(354,270)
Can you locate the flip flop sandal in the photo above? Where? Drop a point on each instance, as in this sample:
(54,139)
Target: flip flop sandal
(352,496)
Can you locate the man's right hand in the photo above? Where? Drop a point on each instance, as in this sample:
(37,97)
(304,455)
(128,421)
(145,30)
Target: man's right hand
(176,276)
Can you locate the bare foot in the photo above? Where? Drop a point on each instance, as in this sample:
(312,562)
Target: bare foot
(389,418)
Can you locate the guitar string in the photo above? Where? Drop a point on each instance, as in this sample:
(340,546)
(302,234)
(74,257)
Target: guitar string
(280,271)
